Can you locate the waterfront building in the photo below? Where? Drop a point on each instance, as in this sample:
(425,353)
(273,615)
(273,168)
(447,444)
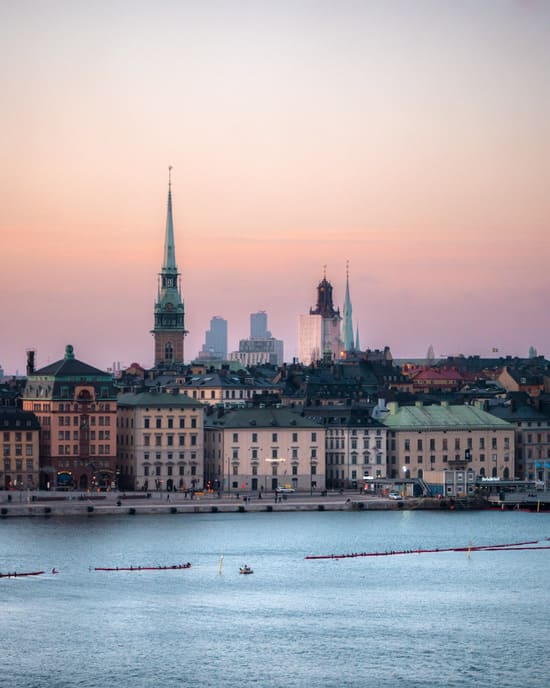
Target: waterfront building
(532,429)
(319,333)
(20,431)
(260,449)
(169,327)
(355,450)
(160,441)
(76,407)
(443,436)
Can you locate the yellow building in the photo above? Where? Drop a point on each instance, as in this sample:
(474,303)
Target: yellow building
(160,442)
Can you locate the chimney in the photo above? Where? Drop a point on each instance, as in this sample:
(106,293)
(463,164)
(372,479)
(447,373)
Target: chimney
(30,361)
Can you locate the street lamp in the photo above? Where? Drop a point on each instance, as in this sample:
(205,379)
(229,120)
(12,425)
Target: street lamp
(405,476)
(228,477)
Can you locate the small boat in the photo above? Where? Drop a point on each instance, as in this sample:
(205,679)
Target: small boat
(245,569)
(174,567)
(21,575)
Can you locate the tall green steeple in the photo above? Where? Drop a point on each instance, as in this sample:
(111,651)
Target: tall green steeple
(349,343)
(169,329)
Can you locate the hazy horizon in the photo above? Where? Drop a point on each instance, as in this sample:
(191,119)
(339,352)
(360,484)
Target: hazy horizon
(409,138)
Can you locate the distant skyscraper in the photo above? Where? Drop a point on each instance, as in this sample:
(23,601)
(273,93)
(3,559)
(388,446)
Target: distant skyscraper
(169,329)
(215,339)
(261,347)
(258,326)
(319,332)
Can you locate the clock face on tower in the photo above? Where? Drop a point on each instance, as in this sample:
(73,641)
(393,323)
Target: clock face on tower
(169,307)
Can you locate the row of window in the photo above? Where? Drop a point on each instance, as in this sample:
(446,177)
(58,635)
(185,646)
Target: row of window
(170,440)
(76,407)
(431,444)
(18,450)
(340,443)
(170,422)
(65,449)
(76,420)
(147,470)
(340,459)
(17,436)
(274,453)
(274,437)
(101,435)
(29,465)
(445,458)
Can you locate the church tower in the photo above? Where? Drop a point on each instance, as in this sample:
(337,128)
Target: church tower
(169,329)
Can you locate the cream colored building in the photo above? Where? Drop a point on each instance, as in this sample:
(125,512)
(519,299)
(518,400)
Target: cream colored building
(160,442)
(260,449)
(425,438)
(355,451)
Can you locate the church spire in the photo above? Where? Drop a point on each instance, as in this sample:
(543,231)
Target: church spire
(169,247)
(348,323)
(169,329)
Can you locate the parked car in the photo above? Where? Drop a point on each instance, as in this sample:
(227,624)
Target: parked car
(285,490)
(395,495)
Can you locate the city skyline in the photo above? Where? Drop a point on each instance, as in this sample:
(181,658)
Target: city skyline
(407,138)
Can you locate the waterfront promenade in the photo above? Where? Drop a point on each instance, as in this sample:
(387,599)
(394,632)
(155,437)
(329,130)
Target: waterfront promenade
(42,503)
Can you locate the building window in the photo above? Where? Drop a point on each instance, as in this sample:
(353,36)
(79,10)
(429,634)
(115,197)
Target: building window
(235,437)
(419,445)
(274,437)
(146,422)
(254,437)
(294,436)
(407,445)
(314,437)
(182,421)
(158,422)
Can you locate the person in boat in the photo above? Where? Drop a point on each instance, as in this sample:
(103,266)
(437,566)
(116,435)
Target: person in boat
(54,570)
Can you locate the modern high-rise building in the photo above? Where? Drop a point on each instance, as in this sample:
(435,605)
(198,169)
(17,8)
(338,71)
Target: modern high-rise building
(319,334)
(261,347)
(258,326)
(169,329)
(215,339)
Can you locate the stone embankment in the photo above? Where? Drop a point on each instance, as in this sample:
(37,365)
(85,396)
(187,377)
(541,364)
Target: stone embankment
(47,504)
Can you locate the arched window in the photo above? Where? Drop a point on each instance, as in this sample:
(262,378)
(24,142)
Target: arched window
(420,473)
(506,474)
(168,352)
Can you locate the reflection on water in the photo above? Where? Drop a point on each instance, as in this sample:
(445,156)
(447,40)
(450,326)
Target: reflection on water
(440,619)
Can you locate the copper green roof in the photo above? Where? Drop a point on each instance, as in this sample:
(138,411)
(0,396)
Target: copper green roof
(441,417)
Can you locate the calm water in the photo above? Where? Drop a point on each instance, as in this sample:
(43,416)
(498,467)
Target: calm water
(415,620)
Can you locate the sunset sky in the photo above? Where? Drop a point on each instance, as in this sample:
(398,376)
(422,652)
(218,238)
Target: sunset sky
(410,137)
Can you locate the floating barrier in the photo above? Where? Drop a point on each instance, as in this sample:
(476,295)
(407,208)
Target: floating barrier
(174,567)
(21,575)
(507,547)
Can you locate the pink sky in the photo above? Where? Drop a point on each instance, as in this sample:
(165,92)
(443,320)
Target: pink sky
(408,137)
